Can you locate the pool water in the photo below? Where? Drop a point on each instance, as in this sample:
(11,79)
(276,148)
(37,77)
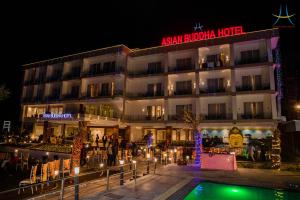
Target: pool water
(216,191)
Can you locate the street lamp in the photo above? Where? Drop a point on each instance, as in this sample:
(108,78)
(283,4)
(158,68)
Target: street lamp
(155,161)
(134,170)
(76,182)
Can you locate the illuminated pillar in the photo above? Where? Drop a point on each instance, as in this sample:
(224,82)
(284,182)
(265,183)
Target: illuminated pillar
(271,78)
(273,106)
(269,50)
(233,107)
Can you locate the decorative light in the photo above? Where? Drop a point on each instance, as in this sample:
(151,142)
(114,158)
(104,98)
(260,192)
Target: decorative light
(16,150)
(148,156)
(47,153)
(76,170)
(88,157)
(121,162)
(227,58)
(101,165)
(134,161)
(228,83)
(170,159)
(187,157)
(171,151)
(71,146)
(143,110)
(56,172)
(155,159)
(175,150)
(297,106)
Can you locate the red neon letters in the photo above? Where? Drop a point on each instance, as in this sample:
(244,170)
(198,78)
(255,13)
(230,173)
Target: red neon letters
(203,35)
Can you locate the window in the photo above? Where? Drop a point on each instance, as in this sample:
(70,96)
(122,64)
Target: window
(74,90)
(154,112)
(95,68)
(180,109)
(105,89)
(93,90)
(154,67)
(184,87)
(250,56)
(253,109)
(216,110)
(214,61)
(184,63)
(215,85)
(56,109)
(35,111)
(154,89)
(252,82)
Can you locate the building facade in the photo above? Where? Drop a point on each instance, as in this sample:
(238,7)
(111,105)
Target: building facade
(224,82)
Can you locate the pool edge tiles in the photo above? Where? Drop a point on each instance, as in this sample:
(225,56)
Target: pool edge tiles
(185,190)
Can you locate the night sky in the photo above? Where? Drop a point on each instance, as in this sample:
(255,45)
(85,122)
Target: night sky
(34,32)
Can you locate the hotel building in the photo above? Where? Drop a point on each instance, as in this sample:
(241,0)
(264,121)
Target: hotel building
(224,82)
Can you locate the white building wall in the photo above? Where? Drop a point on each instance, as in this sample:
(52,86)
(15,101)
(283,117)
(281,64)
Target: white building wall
(265,98)
(251,71)
(204,101)
(250,45)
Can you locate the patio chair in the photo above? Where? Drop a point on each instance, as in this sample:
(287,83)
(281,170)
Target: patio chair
(31,180)
(66,167)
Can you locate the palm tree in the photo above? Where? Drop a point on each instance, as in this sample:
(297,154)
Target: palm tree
(4,93)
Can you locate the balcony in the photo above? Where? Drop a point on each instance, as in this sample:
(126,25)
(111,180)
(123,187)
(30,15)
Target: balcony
(255,116)
(253,88)
(145,95)
(212,90)
(52,78)
(214,65)
(70,96)
(145,72)
(98,72)
(143,118)
(74,74)
(117,93)
(54,97)
(181,68)
(251,60)
(223,116)
(178,117)
(183,92)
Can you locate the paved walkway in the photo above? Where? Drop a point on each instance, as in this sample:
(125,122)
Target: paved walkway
(171,178)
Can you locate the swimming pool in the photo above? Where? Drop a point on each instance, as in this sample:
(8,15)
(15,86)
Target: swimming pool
(216,191)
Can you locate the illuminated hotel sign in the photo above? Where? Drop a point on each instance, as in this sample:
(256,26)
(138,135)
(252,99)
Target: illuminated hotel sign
(57,116)
(203,35)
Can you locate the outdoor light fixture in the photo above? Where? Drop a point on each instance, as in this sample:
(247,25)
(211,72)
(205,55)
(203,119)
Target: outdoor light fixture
(297,106)
(134,161)
(101,165)
(71,146)
(165,154)
(121,162)
(175,150)
(187,157)
(87,157)
(56,172)
(155,159)
(16,150)
(170,159)
(47,153)
(148,155)
(87,146)
(171,151)
(76,170)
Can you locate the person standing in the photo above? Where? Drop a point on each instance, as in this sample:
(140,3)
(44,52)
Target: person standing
(104,140)
(251,152)
(97,140)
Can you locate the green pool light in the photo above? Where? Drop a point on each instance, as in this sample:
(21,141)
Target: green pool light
(234,190)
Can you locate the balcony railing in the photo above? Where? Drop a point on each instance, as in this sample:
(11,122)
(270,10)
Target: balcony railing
(117,93)
(253,88)
(52,97)
(180,68)
(54,78)
(255,116)
(91,72)
(251,60)
(71,96)
(184,92)
(145,72)
(212,90)
(178,117)
(214,65)
(143,118)
(224,116)
(147,94)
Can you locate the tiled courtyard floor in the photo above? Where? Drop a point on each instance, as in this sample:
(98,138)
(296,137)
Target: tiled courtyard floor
(169,179)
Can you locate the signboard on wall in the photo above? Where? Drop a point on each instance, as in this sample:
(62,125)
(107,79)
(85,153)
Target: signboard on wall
(57,116)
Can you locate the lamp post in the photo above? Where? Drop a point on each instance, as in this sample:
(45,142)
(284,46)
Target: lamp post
(121,172)
(187,159)
(76,182)
(134,170)
(148,162)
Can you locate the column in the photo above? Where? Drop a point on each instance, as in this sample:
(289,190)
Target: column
(232,80)
(231,57)
(197,82)
(166,109)
(274,107)
(269,50)
(272,78)
(233,107)
(198,108)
